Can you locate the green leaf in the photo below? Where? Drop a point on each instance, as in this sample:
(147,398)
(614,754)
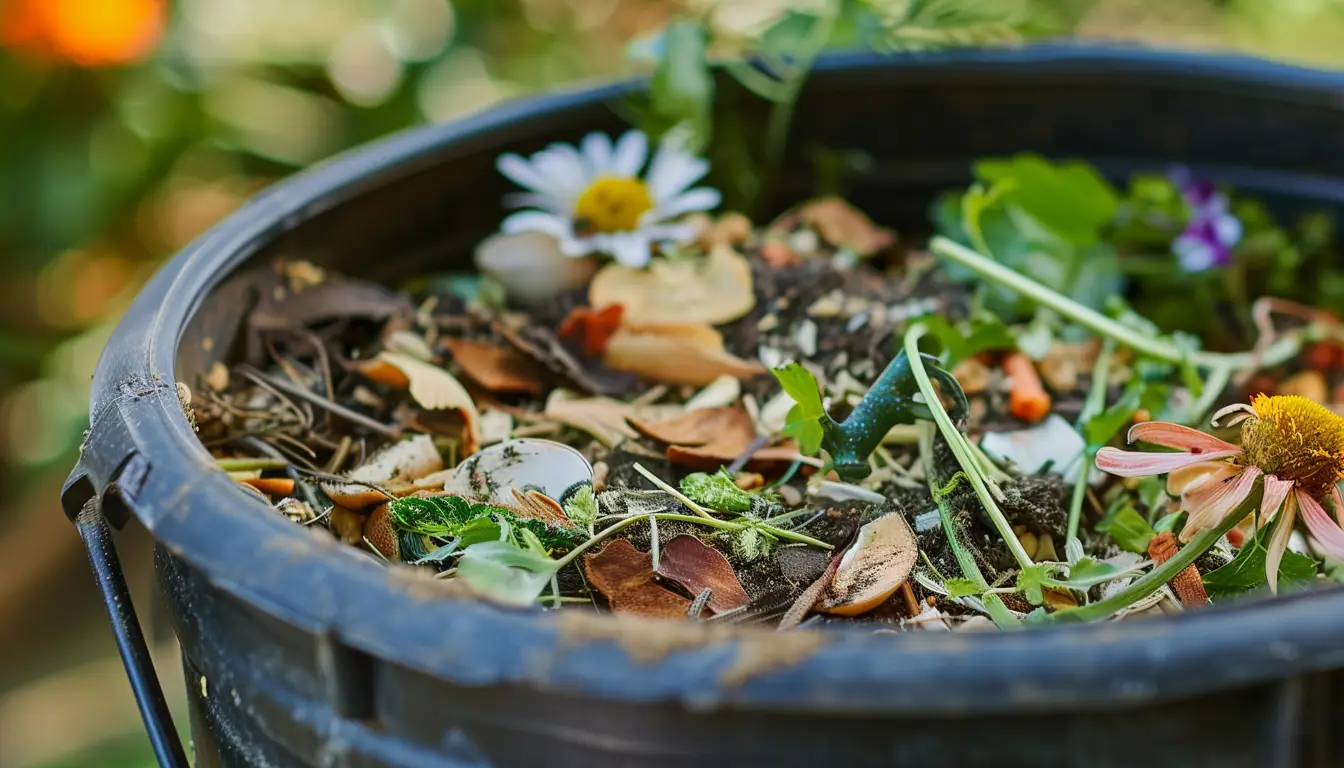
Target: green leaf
(974,203)
(1102,428)
(1031,581)
(981,333)
(1131,531)
(1070,198)
(804,420)
(1247,569)
(1167,522)
(681,91)
(961,588)
(716,491)
(1088,572)
(505,573)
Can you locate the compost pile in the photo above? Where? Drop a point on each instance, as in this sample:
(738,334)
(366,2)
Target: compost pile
(814,418)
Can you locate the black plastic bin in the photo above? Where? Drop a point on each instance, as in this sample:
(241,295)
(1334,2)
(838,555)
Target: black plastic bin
(300,652)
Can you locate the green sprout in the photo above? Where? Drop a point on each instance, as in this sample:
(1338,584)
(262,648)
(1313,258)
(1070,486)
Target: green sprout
(893,399)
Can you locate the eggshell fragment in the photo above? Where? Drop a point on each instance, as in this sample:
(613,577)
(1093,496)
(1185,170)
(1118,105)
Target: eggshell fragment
(873,567)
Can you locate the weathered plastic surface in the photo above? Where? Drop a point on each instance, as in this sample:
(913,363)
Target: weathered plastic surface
(303,652)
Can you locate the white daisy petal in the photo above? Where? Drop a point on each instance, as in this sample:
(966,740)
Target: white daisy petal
(633,249)
(521,172)
(597,153)
(672,171)
(563,171)
(537,221)
(698,199)
(631,151)
(574,246)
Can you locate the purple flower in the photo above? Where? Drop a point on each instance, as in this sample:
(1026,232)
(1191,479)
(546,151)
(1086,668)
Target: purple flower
(1212,230)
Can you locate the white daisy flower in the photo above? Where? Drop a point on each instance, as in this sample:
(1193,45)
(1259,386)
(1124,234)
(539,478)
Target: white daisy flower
(592,198)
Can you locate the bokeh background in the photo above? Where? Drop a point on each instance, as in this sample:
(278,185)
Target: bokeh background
(127,127)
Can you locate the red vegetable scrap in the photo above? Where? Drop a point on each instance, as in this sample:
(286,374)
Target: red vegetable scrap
(695,565)
(625,576)
(592,328)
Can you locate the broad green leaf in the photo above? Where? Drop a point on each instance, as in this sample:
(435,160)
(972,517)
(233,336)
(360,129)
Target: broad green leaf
(1031,581)
(961,588)
(1247,569)
(1130,531)
(1089,572)
(1167,522)
(804,420)
(1069,198)
(505,573)
(981,333)
(1102,428)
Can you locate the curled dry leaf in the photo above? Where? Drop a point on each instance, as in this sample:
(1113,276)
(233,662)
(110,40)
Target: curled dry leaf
(497,369)
(394,468)
(435,389)
(676,354)
(539,343)
(602,417)
(347,524)
(873,567)
(710,438)
(625,576)
(719,290)
(696,566)
(844,226)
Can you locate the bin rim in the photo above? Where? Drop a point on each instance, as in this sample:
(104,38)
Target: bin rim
(140,440)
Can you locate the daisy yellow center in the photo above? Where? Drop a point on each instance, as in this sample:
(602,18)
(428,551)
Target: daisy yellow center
(612,205)
(1295,439)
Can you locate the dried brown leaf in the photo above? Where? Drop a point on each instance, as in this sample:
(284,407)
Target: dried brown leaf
(696,566)
(844,226)
(497,369)
(709,438)
(625,576)
(676,354)
(435,389)
(394,468)
(539,506)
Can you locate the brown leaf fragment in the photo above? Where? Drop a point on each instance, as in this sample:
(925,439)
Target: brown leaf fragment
(715,290)
(676,354)
(711,437)
(498,369)
(1188,585)
(696,566)
(844,226)
(541,344)
(347,524)
(393,468)
(625,576)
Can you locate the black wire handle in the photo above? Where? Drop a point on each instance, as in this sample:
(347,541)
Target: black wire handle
(130,639)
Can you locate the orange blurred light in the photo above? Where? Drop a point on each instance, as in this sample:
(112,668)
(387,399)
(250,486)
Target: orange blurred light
(89,33)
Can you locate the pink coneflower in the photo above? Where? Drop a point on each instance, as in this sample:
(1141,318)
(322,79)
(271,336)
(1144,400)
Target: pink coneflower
(1291,443)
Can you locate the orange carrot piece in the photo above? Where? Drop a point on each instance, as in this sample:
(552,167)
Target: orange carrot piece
(1027,399)
(272,486)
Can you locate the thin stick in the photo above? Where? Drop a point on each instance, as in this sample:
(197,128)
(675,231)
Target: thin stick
(249,464)
(1278,352)
(336,408)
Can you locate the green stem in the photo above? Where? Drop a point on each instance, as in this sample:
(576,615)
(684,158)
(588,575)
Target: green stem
(960,447)
(1214,385)
(1153,581)
(1280,351)
(251,464)
(1095,404)
(998,612)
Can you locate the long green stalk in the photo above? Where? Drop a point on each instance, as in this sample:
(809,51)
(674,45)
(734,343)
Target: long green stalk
(1154,579)
(1280,351)
(961,447)
(1095,404)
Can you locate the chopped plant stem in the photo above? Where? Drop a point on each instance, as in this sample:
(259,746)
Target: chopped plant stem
(249,464)
(1219,376)
(673,492)
(354,417)
(1283,348)
(1161,574)
(1095,404)
(961,447)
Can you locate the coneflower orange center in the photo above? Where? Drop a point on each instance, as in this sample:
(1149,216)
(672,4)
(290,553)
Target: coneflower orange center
(612,205)
(1295,439)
